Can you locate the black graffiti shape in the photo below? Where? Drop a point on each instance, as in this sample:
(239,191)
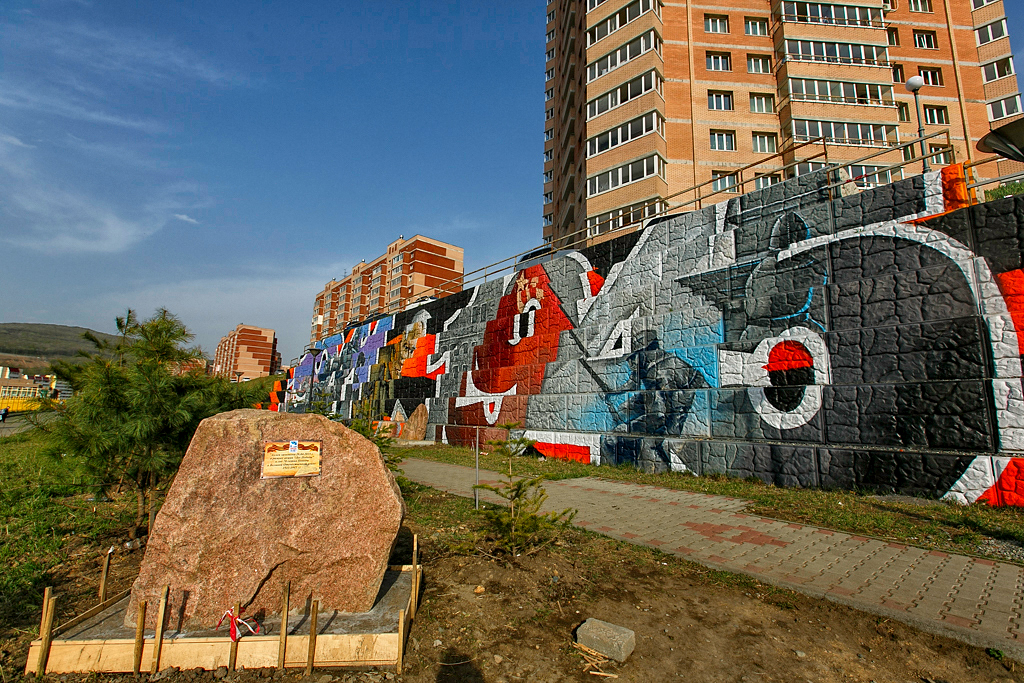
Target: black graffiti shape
(662,405)
(787,389)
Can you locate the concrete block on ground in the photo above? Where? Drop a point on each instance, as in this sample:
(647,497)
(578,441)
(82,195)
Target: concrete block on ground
(614,642)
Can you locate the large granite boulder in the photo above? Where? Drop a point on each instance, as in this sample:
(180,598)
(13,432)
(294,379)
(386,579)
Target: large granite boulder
(416,425)
(226,535)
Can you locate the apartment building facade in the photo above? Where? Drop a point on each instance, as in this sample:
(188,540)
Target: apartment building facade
(410,270)
(646,99)
(247,352)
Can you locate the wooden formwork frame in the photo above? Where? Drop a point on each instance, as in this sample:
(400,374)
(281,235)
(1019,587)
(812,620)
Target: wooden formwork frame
(50,654)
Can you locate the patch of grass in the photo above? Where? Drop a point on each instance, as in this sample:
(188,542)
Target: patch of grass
(937,525)
(44,511)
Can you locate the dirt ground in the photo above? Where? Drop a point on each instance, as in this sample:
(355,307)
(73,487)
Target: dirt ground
(501,620)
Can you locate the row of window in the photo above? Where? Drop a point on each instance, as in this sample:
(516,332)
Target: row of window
(762,143)
(620,135)
(848,133)
(842,53)
(722,61)
(930,75)
(624,93)
(625,174)
(628,52)
(722,100)
(840,91)
(624,16)
(719,23)
(839,15)
(623,216)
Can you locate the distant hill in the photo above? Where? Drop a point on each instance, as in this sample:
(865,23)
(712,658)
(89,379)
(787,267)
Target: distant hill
(34,345)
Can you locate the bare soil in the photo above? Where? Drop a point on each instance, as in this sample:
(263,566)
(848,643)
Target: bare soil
(499,619)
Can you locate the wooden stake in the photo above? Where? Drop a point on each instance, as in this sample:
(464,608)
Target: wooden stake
(401,641)
(140,634)
(105,575)
(415,574)
(312,636)
(283,638)
(233,652)
(158,640)
(47,592)
(46,633)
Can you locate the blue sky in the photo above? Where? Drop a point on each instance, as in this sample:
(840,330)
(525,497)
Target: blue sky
(226,159)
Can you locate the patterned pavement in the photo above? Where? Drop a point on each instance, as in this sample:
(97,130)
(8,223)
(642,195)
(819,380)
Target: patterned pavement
(974,600)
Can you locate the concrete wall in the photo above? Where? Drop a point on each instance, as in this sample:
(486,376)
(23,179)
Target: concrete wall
(867,341)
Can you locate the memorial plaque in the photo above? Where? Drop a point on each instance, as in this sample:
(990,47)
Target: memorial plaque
(291,459)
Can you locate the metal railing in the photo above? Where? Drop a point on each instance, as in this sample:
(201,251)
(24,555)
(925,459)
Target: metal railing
(706,190)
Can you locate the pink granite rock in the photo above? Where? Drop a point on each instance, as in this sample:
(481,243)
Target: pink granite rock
(225,535)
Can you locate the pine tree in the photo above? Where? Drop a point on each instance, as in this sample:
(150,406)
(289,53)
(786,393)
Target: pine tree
(136,405)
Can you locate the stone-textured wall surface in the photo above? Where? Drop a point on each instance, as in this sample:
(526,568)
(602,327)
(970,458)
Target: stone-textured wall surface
(869,340)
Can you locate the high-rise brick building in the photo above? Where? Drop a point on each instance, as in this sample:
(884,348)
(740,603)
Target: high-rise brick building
(247,352)
(411,269)
(645,99)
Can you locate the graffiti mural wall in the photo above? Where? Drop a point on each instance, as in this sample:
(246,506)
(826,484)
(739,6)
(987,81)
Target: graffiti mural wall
(867,341)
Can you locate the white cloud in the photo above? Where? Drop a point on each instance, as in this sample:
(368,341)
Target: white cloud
(187,219)
(11,140)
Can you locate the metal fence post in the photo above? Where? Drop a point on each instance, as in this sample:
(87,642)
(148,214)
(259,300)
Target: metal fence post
(476,491)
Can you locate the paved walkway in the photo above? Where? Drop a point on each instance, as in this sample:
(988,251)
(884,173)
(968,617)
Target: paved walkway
(974,600)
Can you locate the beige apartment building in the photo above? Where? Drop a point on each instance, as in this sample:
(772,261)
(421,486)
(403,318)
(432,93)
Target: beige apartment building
(247,352)
(410,270)
(647,99)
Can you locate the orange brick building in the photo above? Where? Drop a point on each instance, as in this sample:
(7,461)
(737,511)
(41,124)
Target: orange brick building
(645,99)
(411,269)
(247,352)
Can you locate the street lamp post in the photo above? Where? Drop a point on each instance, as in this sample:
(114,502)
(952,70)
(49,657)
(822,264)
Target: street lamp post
(914,85)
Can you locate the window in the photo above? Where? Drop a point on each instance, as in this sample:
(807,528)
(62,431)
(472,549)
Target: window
(550,36)
(720,100)
(549,155)
(548,217)
(926,40)
(931,76)
(547,176)
(873,134)
(936,115)
(549,134)
(765,143)
(620,19)
(978,4)
(719,61)
(394,293)
(920,5)
(549,74)
(763,180)
(823,13)
(548,197)
(716,23)
(843,53)
(548,94)
(620,135)
(627,215)
(624,93)
(592,4)
(868,176)
(723,140)
(897,74)
(998,69)
(840,91)
(761,103)
(549,114)
(993,31)
(940,155)
(628,52)
(754,26)
(904,111)
(396,281)
(759,64)
(1003,108)
(892,36)
(375,290)
(623,175)
(723,181)
(551,16)
(549,55)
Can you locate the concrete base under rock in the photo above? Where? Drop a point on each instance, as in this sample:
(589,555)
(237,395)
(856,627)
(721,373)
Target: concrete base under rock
(375,638)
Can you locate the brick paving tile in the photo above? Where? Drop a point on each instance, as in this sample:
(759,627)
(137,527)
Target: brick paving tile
(977,600)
